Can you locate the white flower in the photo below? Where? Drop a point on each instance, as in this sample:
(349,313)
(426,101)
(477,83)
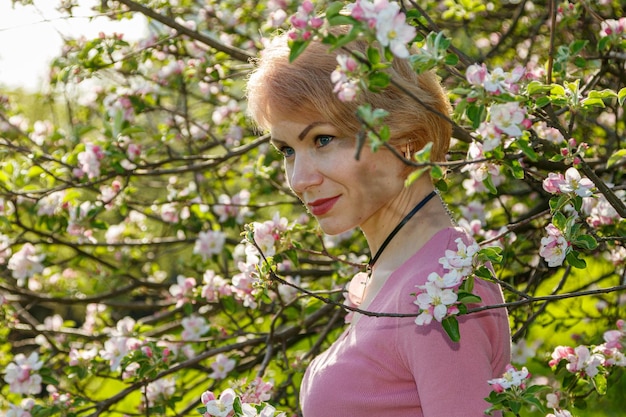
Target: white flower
(22,376)
(575,183)
(435,299)
(209,243)
(508,117)
(220,407)
(25,263)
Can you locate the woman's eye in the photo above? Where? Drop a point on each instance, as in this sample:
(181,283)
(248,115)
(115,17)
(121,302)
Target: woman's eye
(287,151)
(323,140)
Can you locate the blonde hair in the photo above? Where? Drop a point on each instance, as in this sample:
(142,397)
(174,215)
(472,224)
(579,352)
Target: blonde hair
(277,88)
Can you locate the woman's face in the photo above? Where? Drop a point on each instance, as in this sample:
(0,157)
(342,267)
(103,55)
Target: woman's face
(341,192)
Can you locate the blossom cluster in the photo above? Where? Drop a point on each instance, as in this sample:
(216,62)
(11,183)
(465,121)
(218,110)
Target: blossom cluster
(388,21)
(613,28)
(250,403)
(346,85)
(554,247)
(571,182)
(495,82)
(305,22)
(588,361)
(22,374)
(482,174)
(438,297)
(511,379)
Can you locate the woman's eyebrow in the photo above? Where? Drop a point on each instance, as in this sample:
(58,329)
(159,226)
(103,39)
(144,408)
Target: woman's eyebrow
(308,128)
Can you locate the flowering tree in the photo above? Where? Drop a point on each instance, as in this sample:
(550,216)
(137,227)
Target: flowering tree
(153,260)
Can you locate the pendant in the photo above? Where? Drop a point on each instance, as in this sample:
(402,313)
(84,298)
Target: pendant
(357,286)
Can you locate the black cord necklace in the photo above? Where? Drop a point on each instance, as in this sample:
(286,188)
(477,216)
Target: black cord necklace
(395,231)
(363,278)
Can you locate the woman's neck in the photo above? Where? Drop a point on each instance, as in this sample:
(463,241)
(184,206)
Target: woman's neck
(431,218)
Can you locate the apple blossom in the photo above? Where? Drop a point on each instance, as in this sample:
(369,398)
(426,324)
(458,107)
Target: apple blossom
(435,300)
(5,248)
(23,410)
(613,27)
(221,366)
(576,184)
(25,263)
(209,243)
(221,407)
(554,247)
(183,290)
(346,86)
(393,31)
(233,207)
(22,376)
(560,413)
(512,378)
(510,118)
(553,182)
(214,287)
(159,390)
(89,161)
(194,327)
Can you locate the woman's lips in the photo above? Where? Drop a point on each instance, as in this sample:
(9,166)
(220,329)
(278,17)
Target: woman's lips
(322,206)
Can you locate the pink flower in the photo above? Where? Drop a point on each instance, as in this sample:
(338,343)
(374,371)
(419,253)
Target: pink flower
(209,243)
(89,161)
(182,291)
(613,338)
(585,362)
(576,184)
(25,263)
(476,74)
(22,376)
(23,410)
(194,327)
(346,86)
(553,183)
(214,287)
(222,366)
(554,247)
(221,407)
(612,27)
(434,301)
(511,378)
(160,390)
(393,31)
(509,118)
(560,413)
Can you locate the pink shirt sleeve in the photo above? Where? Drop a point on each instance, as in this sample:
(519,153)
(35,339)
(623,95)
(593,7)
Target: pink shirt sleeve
(452,377)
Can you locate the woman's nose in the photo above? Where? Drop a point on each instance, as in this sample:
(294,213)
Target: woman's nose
(303,174)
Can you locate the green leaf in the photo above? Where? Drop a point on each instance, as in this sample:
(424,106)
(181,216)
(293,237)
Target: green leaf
(542,101)
(559,220)
(574,260)
(334,9)
(493,253)
(237,407)
(483,272)
(586,242)
(373,55)
(616,156)
(296,47)
(599,383)
(476,114)
(621,96)
(451,326)
(436,172)
(525,147)
(468,298)
(378,81)
(451,59)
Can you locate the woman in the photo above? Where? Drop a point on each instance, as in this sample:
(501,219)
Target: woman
(380,366)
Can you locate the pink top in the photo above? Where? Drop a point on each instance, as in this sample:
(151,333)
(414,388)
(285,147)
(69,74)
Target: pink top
(384,366)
